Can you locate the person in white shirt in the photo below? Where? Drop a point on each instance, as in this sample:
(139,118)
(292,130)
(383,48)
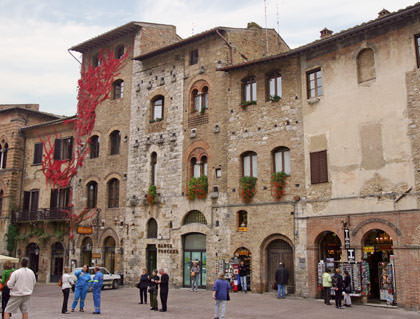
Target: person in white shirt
(67,280)
(21,284)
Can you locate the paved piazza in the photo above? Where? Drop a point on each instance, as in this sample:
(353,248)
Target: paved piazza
(123,303)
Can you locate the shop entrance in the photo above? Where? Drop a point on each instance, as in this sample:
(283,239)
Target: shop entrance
(57,260)
(243,254)
(86,252)
(195,250)
(377,252)
(32,252)
(109,254)
(151,257)
(280,251)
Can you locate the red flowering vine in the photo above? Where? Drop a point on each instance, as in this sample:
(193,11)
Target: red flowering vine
(197,188)
(278,184)
(247,188)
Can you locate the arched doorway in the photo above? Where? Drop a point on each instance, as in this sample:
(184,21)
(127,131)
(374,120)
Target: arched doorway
(32,252)
(57,260)
(329,249)
(377,252)
(194,246)
(243,254)
(280,251)
(109,254)
(86,252)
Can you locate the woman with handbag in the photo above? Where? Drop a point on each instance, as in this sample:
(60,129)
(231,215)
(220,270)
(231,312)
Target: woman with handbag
(67,280)
(347,289)
(195,271)
(153,290)
(142,285)
(5,275)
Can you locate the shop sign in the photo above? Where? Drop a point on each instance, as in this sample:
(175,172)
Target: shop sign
(346,238)
(96,255)
(84,230)
(351,255)
(369,249)
(163,249)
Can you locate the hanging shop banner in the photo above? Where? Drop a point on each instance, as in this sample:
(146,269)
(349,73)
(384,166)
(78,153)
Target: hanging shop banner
(351,255)
(346,238)
(84,230)
(369,249)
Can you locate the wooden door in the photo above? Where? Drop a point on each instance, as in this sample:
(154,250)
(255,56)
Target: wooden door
(280,251)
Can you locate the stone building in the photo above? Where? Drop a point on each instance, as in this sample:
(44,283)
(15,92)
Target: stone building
(177,139)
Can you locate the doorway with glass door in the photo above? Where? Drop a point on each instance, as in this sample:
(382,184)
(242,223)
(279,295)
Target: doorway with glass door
(195,251)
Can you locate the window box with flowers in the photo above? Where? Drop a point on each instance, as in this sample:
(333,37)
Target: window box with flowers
(152,196)
(274,98)
(247,188)
(245,104)
(278,184)
(197,188)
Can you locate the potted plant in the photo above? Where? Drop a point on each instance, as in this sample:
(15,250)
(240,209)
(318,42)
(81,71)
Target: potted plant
(245,104)
(151,195)
(278,184)
(247,188)
(274,98)
(197,188)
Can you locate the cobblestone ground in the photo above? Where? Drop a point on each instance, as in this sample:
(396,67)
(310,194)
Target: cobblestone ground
(123,303)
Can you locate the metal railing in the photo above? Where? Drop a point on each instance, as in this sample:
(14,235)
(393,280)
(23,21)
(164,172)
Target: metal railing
(44,214)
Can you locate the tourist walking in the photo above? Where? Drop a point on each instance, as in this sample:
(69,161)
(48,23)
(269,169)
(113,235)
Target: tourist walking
(153,290)
(347,289)
(164,289)
(97,283)
(337,282)
(221,296)
(142,285)
(67,280)
(326,286)
(5,276)
(282,277)
(195,272)
(82,285)
(243,273)
(21,285)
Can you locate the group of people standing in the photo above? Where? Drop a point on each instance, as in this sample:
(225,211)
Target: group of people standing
(339,285)
(151,285)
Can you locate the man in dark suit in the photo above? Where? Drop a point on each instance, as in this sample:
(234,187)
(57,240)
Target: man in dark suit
(282,277)
(164,289)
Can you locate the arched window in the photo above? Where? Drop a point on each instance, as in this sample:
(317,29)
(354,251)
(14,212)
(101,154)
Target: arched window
(205,97)
(1,201)
(196,100)
(92,194)
(194,216)
(119,52)
(198,167)
(113,193)
(157,108)
(249,90)
(249,164)
(3,155)
(281,160)
(94,146)
(242,219)
(366,65)
(152,228)
(200,97)
(153,166)
(118,89)
(115,140)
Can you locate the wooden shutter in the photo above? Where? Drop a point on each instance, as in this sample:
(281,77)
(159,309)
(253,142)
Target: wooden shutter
(57,149)
(26,200)
(38,153)
(34,200)
(53,199)
(319,167)
(70,148)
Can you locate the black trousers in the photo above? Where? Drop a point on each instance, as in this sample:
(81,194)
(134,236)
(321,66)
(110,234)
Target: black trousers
(143,295)
(338,297)
(327,295)
(4,299)
(66,293)
(164,298)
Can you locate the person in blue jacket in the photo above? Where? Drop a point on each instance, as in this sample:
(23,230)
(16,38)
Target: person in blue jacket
(97,283)
(82,286)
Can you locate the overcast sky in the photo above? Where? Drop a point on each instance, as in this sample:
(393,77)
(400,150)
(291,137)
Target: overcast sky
(35,34)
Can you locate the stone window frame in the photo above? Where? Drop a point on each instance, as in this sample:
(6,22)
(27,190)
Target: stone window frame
(242,219)
(63,148)
(115,142)
(4,147)
(361,55)
(31,200)
(251,83)
(274,75)
(252,172)
(153,108)
(194,56)
(38,150)
(152,233)
(194,216)
(118,89)
(314,85)
(200,89)
(119,51)
(113,193)
(282,150)
(94,146)
(417,46)
(60,198)
(91,194)
(201,158)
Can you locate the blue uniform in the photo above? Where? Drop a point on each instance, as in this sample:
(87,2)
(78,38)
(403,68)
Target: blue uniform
(82,286)
(97,283)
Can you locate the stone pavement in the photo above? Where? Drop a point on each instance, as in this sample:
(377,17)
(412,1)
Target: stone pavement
(123,303)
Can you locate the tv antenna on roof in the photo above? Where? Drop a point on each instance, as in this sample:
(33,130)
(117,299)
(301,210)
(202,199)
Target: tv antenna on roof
(266,31)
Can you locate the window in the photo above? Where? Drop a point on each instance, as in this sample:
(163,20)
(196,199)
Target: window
(314,83)
(417,41)
(200,97)
(249,164)
(30,200)
(205,97)
(118,89)
(153,164)
(196,101)
(94,146)
(194,57)
(218,172)
(152,228)
(38,148)
(194,216)
(60,198)
(366,65)
(281,160)
(274,86)
(1,201)
(242,218)
(113,193)
(319,167)
(115,140)
(3,155)
(96,61)
(119,52)
(199,168)
(92,194)
(249,90)
(157,111)
(63,148)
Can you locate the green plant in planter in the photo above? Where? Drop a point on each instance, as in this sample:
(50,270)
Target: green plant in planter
(274,98)
(247,188)
(12,233)
(151,195)
(245,104)
(152,121)
(158,119)
(203,109)
(278,184)
(197,188)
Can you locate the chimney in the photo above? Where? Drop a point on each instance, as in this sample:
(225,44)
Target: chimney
(325,33)
(383,13)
